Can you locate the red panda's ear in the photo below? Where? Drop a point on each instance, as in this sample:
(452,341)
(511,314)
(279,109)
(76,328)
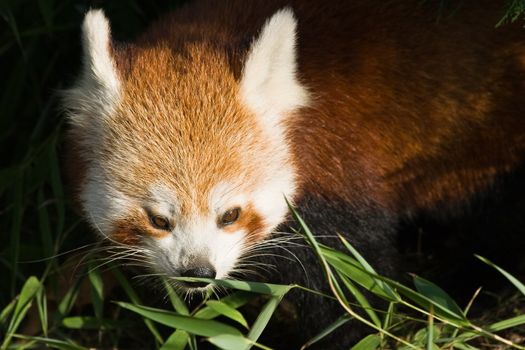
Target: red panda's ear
(269,84)
(97,90)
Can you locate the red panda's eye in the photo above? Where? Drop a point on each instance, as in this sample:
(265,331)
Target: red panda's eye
(230,216)
(160,222)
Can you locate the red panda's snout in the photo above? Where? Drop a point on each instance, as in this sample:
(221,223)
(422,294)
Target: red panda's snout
(175,236)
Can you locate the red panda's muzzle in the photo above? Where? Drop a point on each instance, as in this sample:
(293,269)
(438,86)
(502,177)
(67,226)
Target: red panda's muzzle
(200,271)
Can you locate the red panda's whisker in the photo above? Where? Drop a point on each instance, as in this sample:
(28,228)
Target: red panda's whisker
(78,250)
(109,261)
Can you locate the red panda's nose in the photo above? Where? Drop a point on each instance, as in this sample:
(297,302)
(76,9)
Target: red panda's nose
(203,271)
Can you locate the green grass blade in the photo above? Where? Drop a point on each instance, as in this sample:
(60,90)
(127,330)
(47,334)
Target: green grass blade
(176,341)
(309,236)
(328,330)
(436,294)
(361,299)
(370,342)
(228,311)
(205,328)
(69,299)
(97,292)
(367,267)
(520,286)
(356,273)
(463,346)
(88,322)
(136,300)
(351,270)
(42,309)
(53,343)
(508,323)
(178,304)
(426,303)
(389,316)
(230,342)
(263,319)
(7,311)
(28,292)
(234,300)
(277,290)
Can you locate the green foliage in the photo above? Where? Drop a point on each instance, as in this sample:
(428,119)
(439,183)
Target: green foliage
(515,9)
(39,48)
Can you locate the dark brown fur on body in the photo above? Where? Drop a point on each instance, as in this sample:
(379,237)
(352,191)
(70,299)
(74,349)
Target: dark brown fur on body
(407,115)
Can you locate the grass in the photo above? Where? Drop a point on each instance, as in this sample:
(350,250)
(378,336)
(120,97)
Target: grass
(60,299)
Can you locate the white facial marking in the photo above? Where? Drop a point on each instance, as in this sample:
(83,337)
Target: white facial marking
(195,238)
(269,197)
(200,241)
(225,196)
(164,201)
(269,84)
(102,203)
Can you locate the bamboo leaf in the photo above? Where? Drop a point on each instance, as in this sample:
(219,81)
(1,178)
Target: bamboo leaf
(97,291)
(263,319)
(230,342)
(136,300)
(361,299)
(178,304)
(508,323)
(367,267)
(176,341)
(88,322)
(28,292)
(437,295)
(228,311)
(332,327)
(234,300)
(520,286)
(205,328)
(370,342)
(53,343)
(42,309)
(255,287)
(350,268)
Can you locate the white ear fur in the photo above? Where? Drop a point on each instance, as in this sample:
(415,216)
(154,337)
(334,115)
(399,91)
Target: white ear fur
(97,90)
(269,85)
(98,63)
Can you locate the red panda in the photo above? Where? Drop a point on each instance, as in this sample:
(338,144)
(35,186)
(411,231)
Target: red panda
(186,142)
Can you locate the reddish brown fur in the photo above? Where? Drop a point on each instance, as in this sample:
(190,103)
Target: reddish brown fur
(249,221)
(130,229)
(407,112)
(197,90)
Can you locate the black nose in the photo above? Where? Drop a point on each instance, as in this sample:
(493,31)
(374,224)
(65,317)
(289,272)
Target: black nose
(201,272)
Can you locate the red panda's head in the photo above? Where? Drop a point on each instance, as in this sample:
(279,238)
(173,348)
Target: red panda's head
(183,160)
